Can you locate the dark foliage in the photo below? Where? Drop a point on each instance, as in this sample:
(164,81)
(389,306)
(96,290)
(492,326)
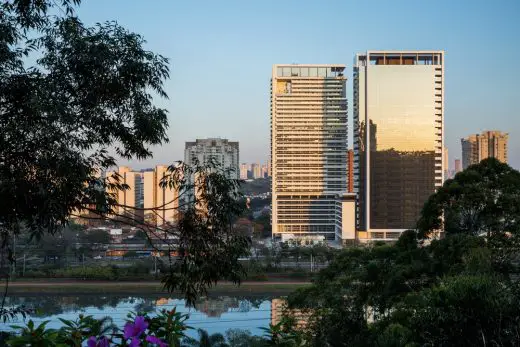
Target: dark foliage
(461,290)
(484,199)
(88,91)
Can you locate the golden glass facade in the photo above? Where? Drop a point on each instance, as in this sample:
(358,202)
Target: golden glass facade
(398,116)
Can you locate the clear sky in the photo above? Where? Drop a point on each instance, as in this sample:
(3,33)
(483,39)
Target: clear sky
(222,52)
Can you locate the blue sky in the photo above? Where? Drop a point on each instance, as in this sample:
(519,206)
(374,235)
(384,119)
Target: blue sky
(222,52)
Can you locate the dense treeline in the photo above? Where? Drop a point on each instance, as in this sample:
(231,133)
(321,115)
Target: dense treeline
(460,290)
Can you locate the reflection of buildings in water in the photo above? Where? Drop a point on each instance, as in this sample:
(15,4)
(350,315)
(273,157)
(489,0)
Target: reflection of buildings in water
(215,307)
(162,301)
(279,308)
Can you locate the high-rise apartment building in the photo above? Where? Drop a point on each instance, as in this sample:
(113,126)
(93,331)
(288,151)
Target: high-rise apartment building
(264,171)
(458,166)
(309,152)
(127,200)
(478,147)
(244,168)
(256,170)
(222,152)
(398,144)
(161,203)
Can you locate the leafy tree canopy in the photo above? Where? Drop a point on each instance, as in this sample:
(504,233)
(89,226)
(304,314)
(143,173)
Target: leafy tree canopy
(460,290)
(88,90)
(483,199)
(70,95)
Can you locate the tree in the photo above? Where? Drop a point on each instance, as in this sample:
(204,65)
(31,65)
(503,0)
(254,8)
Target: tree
(96,236)
(459,290)
(467,310)
(243,338)
(483,199)
(206,340)
(448,292)
(265,220)
(90,93)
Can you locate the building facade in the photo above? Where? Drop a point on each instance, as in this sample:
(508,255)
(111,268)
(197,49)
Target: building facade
(478,147)
(458,166)
(256,170)
(244,168)
(264,171)
(308,150)
(398,138)
(160,202)
(350,171)
(129,199)
(223,153)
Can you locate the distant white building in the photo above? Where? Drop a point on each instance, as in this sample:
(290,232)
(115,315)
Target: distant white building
(220,151)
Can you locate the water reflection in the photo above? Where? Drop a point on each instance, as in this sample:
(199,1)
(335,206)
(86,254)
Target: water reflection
(215,314)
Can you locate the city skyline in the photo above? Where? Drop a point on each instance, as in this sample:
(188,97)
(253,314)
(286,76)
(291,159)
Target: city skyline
(221,58)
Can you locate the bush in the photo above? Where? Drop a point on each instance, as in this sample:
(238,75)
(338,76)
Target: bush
(258,277)
(87,272)
(35,274)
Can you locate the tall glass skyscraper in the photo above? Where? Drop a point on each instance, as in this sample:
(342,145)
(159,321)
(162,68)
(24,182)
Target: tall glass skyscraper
(308,150)
(398,138)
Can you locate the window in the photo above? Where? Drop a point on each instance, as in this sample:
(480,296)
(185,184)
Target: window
(313,72)
(322,72)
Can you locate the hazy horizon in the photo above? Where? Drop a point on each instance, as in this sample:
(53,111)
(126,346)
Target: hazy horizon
(222,54)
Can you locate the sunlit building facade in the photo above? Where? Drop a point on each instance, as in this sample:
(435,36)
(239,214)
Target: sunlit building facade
(160,202)
(256,170)
(398,138)
(244,169)
(127,200)
(478,147)
(308,150)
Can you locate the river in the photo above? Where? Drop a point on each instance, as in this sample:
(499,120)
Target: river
(214,314)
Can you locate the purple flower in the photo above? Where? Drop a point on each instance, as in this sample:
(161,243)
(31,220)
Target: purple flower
(156,341)
(135,342)
(103,342)
(93,342)
(136,328)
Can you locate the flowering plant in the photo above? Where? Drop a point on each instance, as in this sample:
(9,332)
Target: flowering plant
(140,330)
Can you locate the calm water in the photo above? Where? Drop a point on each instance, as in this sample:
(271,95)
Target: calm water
(215,314)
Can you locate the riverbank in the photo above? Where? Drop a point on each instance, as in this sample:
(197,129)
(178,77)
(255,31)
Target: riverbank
(78,287)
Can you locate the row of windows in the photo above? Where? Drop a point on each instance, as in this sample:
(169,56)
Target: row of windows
(289,71)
